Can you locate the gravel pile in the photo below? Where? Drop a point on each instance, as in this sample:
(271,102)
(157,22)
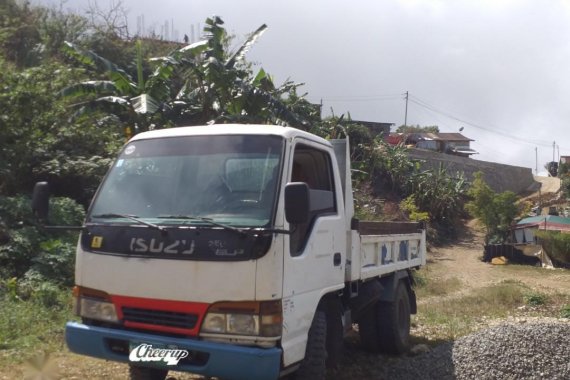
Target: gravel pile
(521,349)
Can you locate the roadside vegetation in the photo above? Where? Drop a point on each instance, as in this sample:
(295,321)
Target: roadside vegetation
(496,211)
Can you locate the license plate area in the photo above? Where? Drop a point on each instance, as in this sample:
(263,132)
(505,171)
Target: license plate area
(157,355)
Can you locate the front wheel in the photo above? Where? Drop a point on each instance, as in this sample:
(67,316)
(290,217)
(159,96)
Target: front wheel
(313,366)
(145,373)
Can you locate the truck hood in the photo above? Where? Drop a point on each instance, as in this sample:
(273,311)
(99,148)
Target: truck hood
(176,280)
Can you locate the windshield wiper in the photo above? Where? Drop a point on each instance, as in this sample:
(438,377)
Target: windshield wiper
(131,217)
(210,221)
(205,220)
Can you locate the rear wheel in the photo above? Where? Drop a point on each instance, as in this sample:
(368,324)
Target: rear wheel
(385,327)
(145,373)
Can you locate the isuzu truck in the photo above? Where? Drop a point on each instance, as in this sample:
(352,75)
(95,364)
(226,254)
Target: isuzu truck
(232,251)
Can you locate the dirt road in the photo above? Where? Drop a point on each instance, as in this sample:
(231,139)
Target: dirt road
(463,261)
(549,184)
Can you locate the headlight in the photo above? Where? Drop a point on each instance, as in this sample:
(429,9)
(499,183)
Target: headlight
(96,309)
(243,324)
(215,322)
(244,318)
(231,323)
(94,304)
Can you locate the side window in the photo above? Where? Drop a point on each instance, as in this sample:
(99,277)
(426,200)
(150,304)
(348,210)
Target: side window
(314,167)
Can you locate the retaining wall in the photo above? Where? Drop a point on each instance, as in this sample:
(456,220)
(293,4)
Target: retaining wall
(499,177)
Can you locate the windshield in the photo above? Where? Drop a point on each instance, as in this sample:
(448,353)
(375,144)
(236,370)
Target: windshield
(228,179)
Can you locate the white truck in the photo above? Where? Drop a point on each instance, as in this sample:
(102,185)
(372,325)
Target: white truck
(232,251)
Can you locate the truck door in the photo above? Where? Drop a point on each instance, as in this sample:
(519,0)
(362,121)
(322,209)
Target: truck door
(314,256)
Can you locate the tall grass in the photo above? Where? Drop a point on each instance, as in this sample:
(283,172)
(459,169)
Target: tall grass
(35,324)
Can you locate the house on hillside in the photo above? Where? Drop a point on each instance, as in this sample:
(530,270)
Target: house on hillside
(523,231)
(456,143)
(449,143)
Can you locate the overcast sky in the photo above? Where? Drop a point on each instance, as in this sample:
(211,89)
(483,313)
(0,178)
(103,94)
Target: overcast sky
(497,68)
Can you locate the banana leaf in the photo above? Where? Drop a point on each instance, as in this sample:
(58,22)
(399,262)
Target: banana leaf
(89,87)
(240,53)
(145,104)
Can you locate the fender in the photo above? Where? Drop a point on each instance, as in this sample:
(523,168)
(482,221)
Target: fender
(389,284)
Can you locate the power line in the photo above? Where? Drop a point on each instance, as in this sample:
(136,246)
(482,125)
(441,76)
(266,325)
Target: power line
(362,97)
(429,107)
(414,99)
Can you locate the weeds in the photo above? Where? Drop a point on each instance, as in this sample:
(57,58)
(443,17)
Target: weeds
(535,299)
(426,286)
(32,318)
(449,318)
(565,311)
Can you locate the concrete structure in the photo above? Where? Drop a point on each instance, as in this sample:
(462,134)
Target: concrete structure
(499,177)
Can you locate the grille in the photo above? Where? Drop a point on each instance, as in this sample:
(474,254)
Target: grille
(160,317)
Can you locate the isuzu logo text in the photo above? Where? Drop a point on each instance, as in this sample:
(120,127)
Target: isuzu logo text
(157,246)
(145,353)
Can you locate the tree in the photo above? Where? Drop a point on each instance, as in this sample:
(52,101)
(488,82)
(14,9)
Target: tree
(417,129)
(39,142)
(496,211)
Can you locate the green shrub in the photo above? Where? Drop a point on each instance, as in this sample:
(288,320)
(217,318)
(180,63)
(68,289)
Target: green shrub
(565,312)
(535,299)
(414,213)
(420,279)
(25,246)
(56,261)
(556,244)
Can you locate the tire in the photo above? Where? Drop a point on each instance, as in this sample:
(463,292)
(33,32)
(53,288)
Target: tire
(146,373)
(335,335)
(368,330)
(313,366)
(394,322)
(385,327)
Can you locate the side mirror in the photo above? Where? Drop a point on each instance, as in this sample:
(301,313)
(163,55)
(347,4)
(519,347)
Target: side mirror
(297,203)
(40,200)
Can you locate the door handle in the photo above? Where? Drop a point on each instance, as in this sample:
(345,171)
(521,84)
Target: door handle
(336,259)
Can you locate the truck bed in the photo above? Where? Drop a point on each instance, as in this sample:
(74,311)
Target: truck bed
(380,248)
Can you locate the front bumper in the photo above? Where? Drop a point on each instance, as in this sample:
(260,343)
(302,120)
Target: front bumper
(206,358)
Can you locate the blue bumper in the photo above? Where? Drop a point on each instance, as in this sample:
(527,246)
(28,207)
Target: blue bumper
(206,358)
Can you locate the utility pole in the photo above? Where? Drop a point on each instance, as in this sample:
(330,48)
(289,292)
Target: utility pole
(406,114)
(536,160)
(553,150)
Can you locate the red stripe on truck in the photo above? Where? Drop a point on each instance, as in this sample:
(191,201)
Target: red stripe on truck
(178,317)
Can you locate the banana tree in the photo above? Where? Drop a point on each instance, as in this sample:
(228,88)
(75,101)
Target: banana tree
(136,102)
(196,84)
(220,87)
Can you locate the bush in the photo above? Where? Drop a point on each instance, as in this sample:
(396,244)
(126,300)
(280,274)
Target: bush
(535,299)
(565,312)
(556,244)
(25,246)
